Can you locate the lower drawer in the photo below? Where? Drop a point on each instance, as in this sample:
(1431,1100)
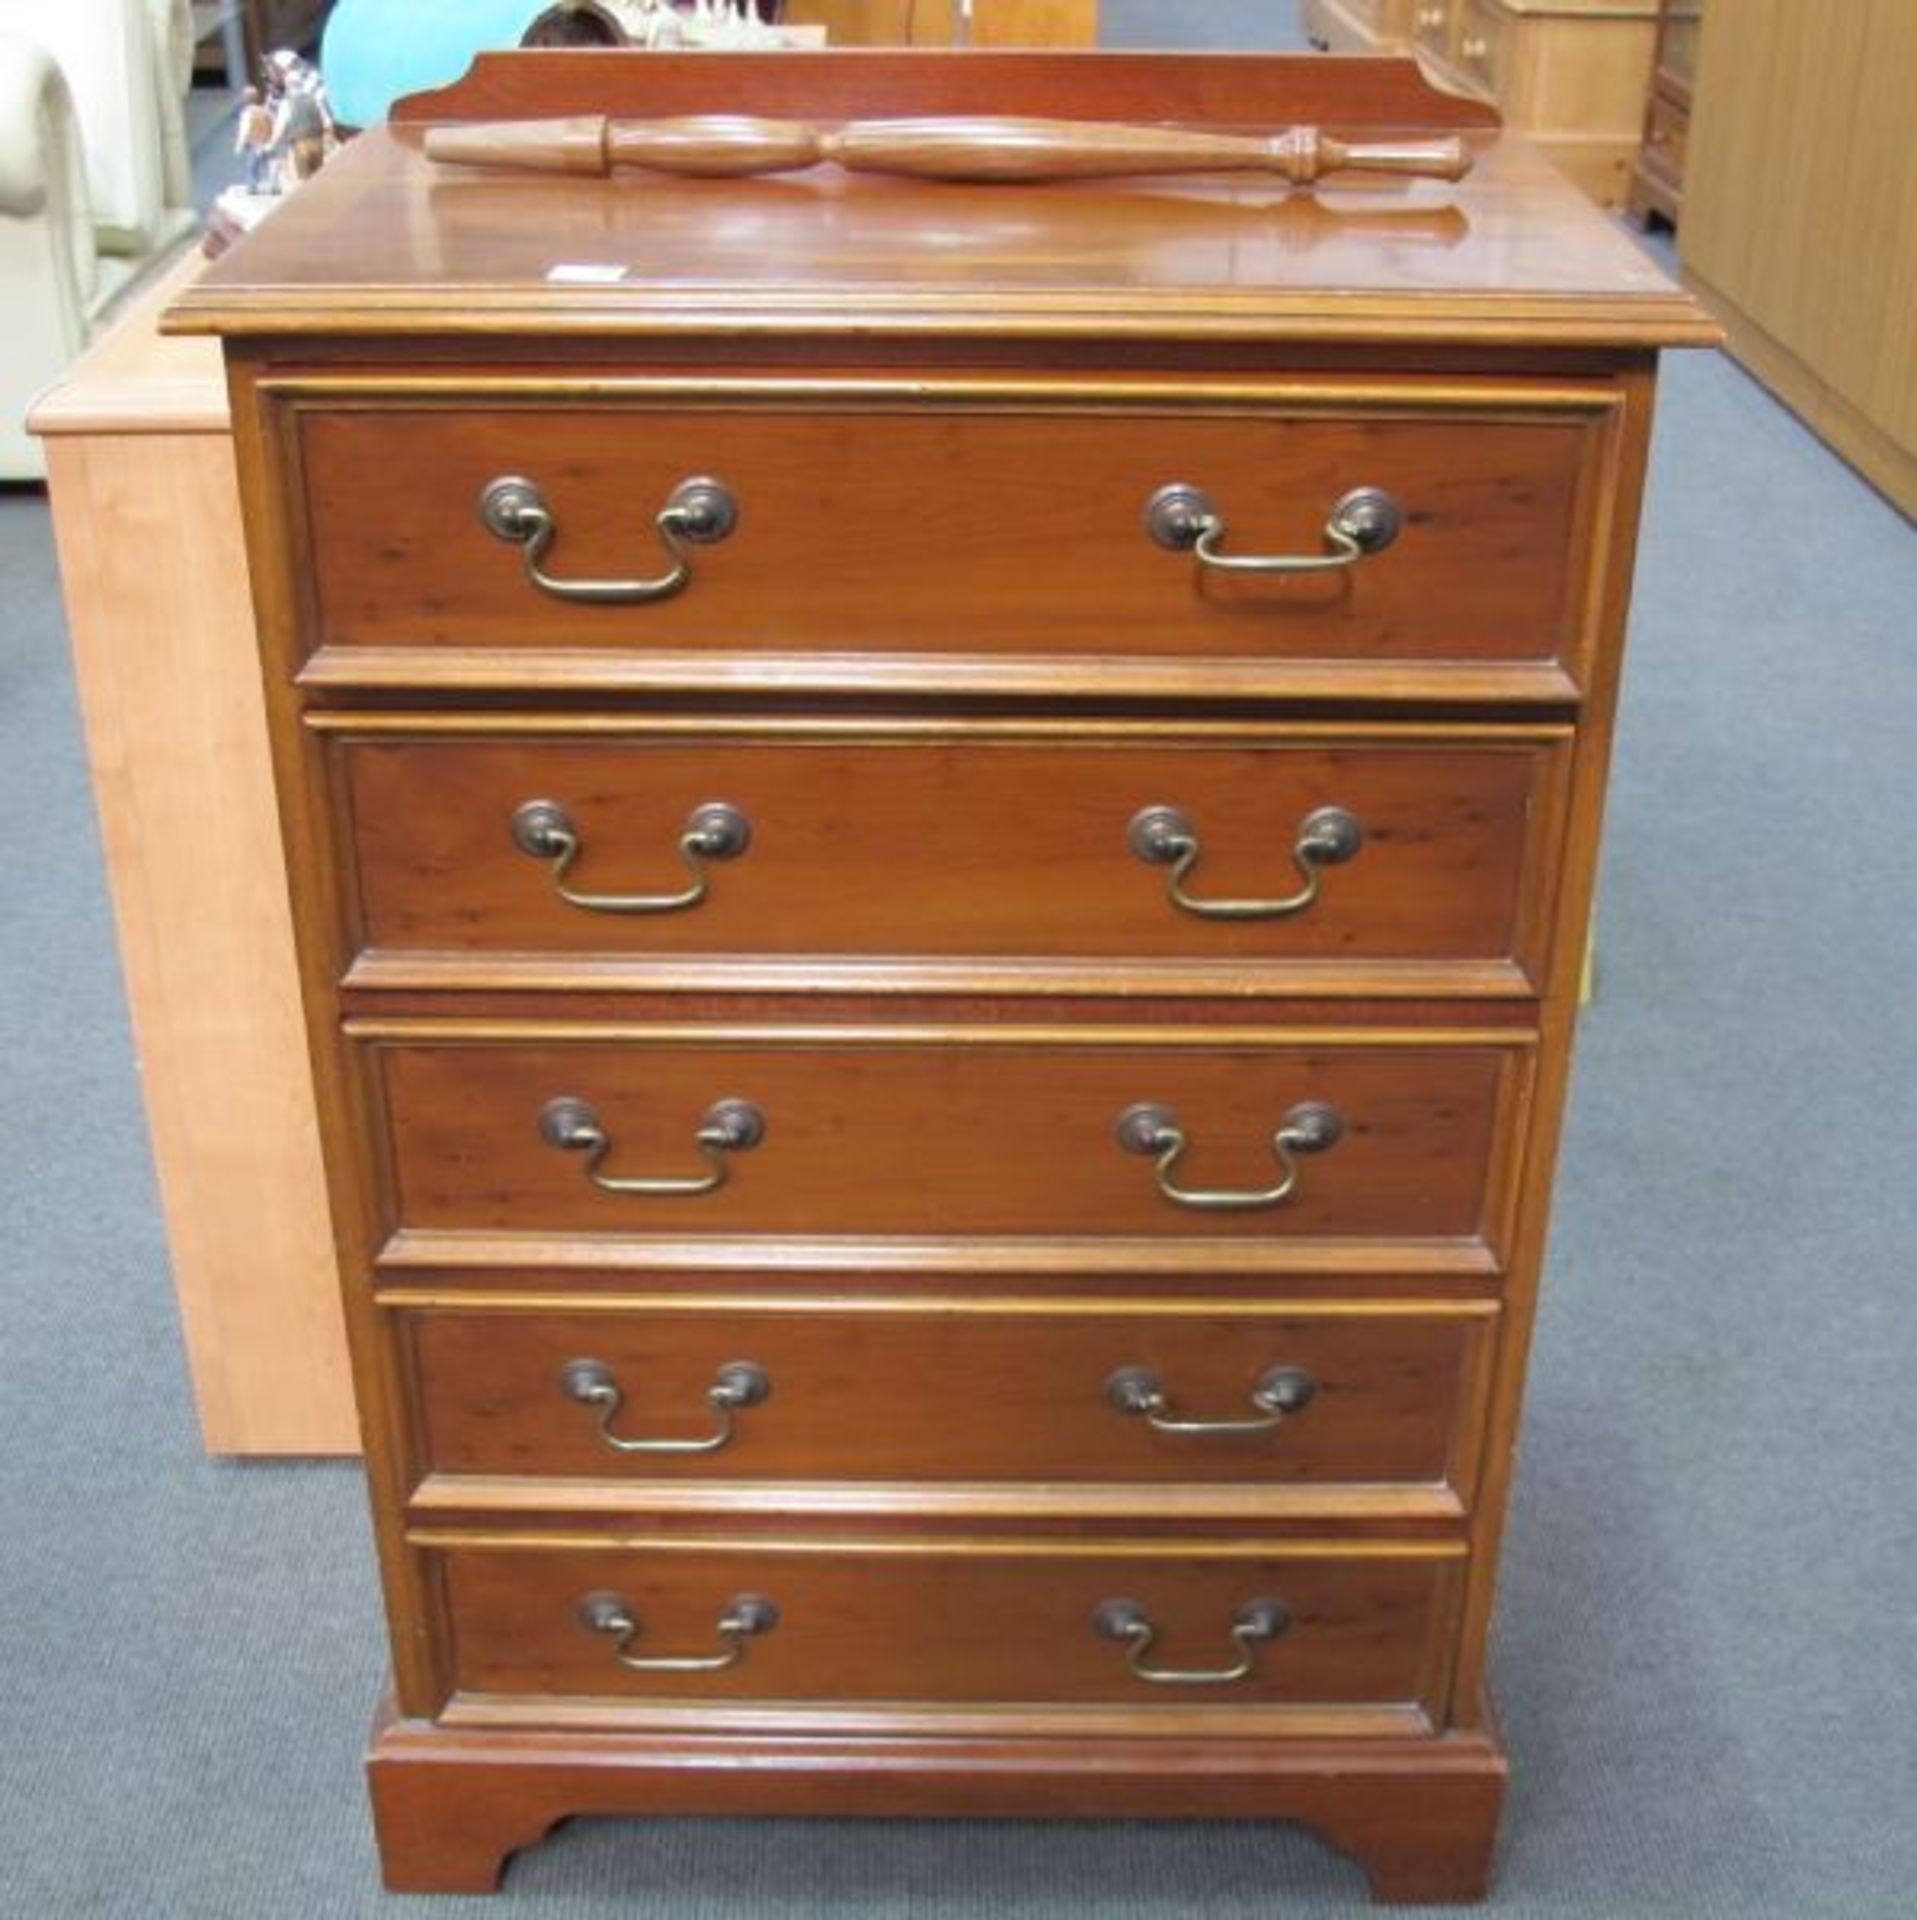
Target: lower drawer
(982,1621)
(1369,1395)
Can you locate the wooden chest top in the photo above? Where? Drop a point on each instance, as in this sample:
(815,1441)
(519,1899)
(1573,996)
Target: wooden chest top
(386,241)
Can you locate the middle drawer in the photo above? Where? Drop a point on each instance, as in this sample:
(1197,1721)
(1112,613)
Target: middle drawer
(1406,858)
(1403,1138)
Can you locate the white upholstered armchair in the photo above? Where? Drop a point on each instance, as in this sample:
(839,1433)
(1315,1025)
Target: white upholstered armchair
(95,179)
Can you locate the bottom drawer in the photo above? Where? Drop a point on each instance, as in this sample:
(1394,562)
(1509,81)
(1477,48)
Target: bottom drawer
(1127,1623)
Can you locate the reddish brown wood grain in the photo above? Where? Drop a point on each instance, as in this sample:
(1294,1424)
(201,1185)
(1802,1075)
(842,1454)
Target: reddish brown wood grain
(841,84)
(895,844)
(943,409)
(897,1625)
(453,1803)
(1017,1396)
(950,1141)
(389,244)
(1032,541)
(1007,149)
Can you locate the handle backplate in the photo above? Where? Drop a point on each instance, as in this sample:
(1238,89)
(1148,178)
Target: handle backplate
(742,1618)
(727,1127)
(737,1384)
(1127,1622)
(1153,1132)
(697,513)
(1280,1393)
(1162,836)
(1183,518)
(544,830)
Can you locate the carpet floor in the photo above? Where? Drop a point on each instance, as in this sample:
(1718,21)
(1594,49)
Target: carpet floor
(1703,1658)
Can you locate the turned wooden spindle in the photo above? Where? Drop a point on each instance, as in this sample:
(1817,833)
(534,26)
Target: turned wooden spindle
(1007,150)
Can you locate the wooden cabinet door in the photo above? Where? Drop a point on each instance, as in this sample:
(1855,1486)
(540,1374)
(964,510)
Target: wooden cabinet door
(936,23)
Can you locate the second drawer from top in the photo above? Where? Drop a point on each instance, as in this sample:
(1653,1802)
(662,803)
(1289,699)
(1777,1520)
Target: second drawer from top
(1305,857)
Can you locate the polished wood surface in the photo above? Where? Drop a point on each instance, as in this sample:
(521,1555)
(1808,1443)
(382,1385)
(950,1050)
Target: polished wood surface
(928,1395)
(452,1803)
(1807,249)
(389,243)
(1362,26)
(135,380)
(984,843)
(939,1174)
(1571,74)
(1001,148)
(939,23)
(1222,89)
(983,1138)
(146,517)
(974,1625)
(1496,484)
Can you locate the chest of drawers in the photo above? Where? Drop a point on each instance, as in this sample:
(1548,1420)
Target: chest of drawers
(939,1109)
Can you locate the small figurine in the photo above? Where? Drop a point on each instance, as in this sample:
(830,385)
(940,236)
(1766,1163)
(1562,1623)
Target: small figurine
(303,130)
(662,25)
(253,141)
(728,23)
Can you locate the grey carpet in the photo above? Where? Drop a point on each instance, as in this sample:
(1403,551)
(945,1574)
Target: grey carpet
(1704,1653)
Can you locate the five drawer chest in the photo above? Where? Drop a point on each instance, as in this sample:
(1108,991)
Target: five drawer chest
(940,837)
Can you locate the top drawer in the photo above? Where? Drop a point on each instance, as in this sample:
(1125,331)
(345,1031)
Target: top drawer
(949,533)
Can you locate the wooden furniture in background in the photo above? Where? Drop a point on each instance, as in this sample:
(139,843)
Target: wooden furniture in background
(1360,26)
(935,23)
(796,1375)
(1806,246)
(146,516)
(1571,75)
(1657,177)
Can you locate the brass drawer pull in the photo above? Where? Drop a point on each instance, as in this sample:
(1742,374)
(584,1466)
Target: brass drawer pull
(727,1126)
(1153,1131)
(743,1616)
(544,830)
(1163,837)
(1365,521)
(697,512)
(737,1384)
(1282,1392)
(1254,1623)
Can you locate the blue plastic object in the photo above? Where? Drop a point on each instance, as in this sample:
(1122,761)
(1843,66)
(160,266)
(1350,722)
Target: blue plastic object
(376,51)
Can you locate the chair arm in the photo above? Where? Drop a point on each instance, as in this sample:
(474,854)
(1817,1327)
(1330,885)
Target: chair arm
(173,43)
(47,262)
(172,33)
(39,145)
